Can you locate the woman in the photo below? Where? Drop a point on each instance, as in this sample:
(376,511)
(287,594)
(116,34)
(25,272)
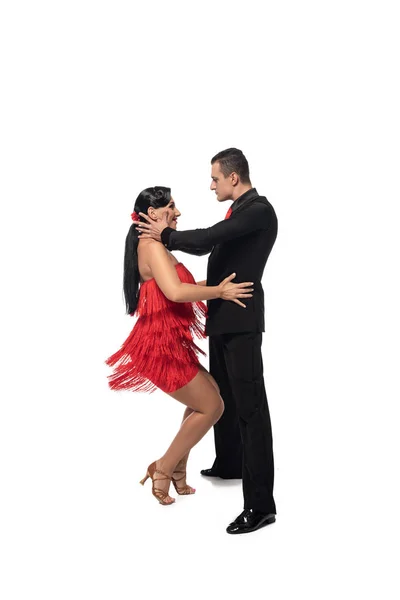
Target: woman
(160,351)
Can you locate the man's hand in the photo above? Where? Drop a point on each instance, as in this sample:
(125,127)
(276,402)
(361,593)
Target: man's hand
(152,229)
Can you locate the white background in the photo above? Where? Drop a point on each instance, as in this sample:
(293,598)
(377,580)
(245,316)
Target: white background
(102,99)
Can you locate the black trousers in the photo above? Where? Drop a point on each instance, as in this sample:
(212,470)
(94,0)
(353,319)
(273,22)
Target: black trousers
(243,436)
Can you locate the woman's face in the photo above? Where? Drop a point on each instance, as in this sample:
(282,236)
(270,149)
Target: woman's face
(172,210)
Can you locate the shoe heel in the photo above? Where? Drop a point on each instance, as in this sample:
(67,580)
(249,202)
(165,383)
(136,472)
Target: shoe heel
(143,481)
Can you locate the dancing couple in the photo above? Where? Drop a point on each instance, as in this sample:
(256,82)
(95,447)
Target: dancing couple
(161,351)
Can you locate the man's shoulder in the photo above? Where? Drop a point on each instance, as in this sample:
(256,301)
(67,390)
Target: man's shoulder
(259,204)
(262,200)
(261,209)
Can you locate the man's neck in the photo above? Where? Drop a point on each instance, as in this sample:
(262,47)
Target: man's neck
(240,190)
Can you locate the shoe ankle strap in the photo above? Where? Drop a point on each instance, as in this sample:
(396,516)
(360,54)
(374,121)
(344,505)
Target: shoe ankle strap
(162,473)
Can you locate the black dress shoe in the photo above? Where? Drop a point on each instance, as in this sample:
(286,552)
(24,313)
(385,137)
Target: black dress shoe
(250,520)
(209,473)
(212,473)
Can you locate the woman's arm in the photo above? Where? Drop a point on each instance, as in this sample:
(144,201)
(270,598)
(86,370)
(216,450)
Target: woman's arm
(204,282)
(172,287)
(169,283)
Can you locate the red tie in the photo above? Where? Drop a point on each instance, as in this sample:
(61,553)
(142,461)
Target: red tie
(228,214)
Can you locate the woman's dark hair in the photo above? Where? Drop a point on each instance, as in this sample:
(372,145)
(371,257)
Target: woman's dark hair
(157,197)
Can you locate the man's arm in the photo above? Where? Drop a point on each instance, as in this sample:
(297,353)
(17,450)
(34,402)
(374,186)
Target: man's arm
(196,251)
(153,230)
(257,216)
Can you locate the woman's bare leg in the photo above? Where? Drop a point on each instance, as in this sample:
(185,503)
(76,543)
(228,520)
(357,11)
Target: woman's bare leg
(179,474)
(206,405)
(181,468)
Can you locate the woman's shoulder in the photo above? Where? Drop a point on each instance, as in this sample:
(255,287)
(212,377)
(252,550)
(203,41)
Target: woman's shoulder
(150,249)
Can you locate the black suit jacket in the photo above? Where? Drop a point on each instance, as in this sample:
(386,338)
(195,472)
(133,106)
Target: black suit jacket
(241,245)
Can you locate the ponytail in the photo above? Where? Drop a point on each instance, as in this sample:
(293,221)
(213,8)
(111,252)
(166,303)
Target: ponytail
(157,197)
(131,270)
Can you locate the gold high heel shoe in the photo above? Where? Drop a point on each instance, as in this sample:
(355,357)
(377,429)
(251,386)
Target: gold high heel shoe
(184,490)
(157,493)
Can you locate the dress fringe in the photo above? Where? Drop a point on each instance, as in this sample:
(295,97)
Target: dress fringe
(160,351)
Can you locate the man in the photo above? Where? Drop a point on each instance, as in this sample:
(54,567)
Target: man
(241,244)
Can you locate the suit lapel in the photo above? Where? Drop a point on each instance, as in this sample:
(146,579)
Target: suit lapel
(241,206)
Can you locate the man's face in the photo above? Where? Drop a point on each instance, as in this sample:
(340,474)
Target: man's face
(220,184)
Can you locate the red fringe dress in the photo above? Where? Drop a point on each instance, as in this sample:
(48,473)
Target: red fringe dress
(160,351)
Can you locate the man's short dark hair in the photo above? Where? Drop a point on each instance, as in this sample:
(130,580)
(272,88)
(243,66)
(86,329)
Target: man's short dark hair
(233,160)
